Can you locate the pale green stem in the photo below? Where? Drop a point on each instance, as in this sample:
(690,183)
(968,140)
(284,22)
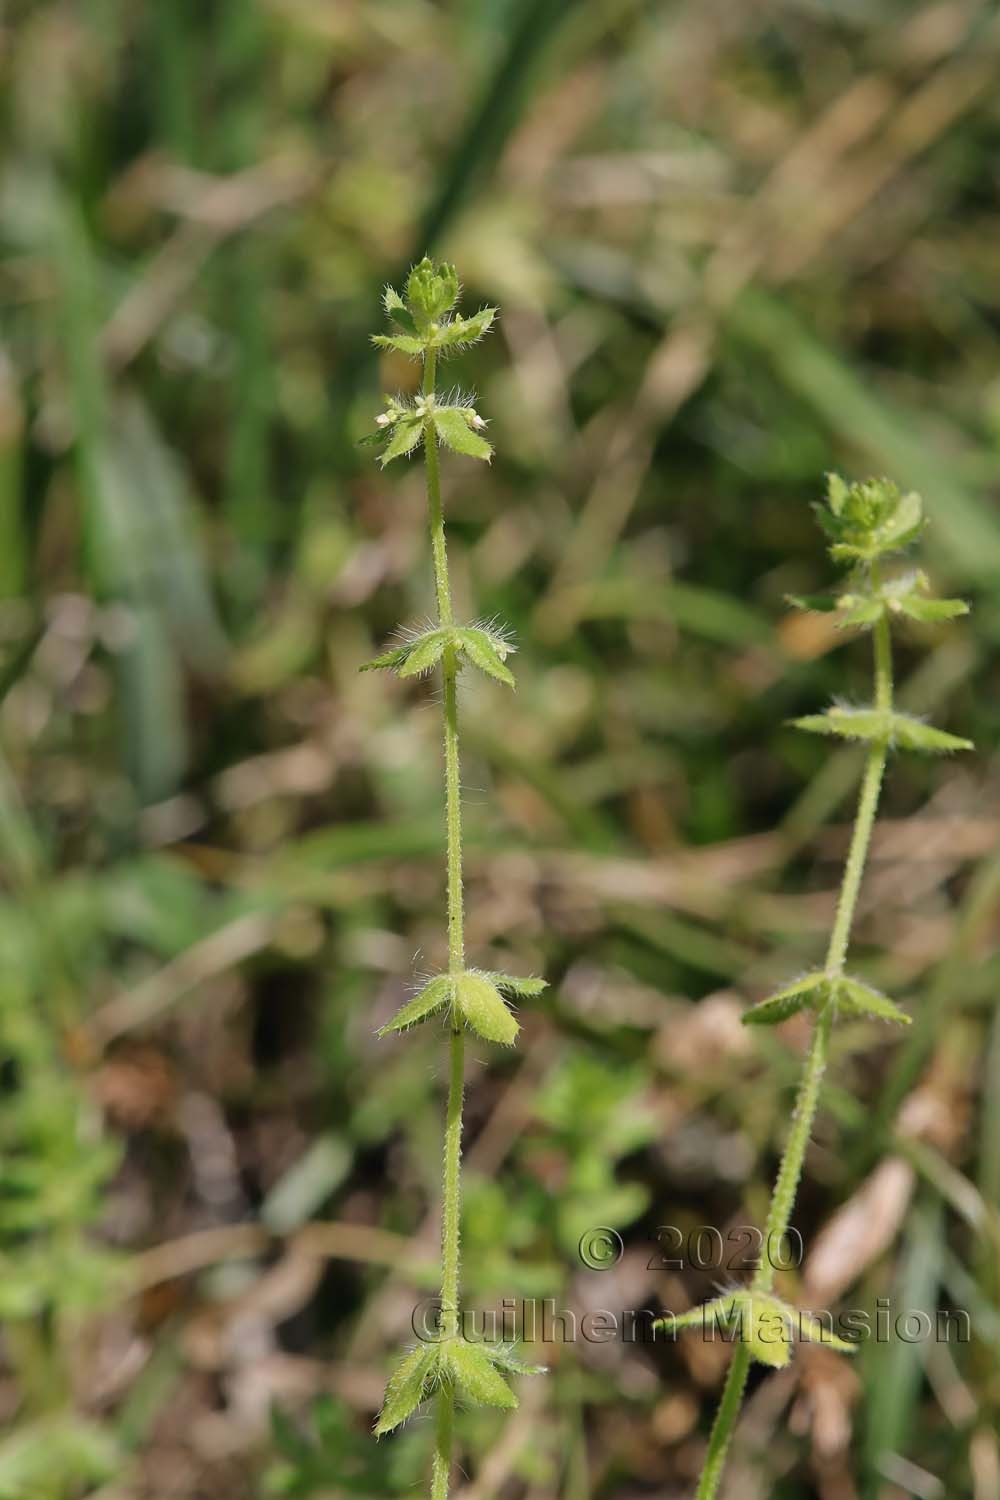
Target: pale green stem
(452,1196)
(789,1172)
(443,1432)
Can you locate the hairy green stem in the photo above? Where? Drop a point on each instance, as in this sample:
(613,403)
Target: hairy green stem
(452,1190)
(790,1171)
(443,1434)
(725,1420)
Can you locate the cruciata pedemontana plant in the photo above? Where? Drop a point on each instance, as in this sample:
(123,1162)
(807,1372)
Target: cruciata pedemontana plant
(425,325)
(864,523)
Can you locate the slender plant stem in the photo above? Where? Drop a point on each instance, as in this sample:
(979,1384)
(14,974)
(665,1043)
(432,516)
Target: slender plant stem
(452,1190)
(725,1420)
(452,1195)
(443,1443)
(789,1172)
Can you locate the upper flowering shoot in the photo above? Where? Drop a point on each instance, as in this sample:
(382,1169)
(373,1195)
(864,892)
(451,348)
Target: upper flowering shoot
(866,522)
(428,326)
(455,421)
(870,519)
(425,317)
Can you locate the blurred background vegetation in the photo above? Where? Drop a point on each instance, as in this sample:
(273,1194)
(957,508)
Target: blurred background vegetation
(734,246)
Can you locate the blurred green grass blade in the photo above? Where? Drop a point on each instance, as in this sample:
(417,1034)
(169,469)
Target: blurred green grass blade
(253,515)
(308,1183)
(156,743)
(949,989)
(174,62)
(989,1163)
(863,417)
(502,105)
(115,531)
(164,528)
(894,1374)
(585,826)
(13,546)
(701,611)
(22,855)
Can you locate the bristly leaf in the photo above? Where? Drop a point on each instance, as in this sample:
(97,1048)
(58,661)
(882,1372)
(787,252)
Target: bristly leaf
(875,726)
(406,433)
(412,1381)
(416,655)
(475,1375)
(849,723)
(406,343)
(929,611)
(810,992)
(866,604)
(435,995)
(816,990)
(425,653)
(517,989)
(719,1311)
(504,1358)
(860,611)
(484,647)
(396,309)
(856,999)
(913,734)
(812,1331)
(482,1008)
(484,652)
(459,333)
(389,659)
(765,1323)
(454,426)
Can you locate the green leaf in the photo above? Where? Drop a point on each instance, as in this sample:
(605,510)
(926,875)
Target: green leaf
(404,342)
(812,1331)
(396,309)
(811,991)
(860,611)
(904,526)
(413,1379)
(407,431)
(874,725)
(481,1006)
(765,1328)
(766,1324)
(475,1375)
(461,332)
(818,603)
(424,653)
(869,724)
(836,493)
(504,1358)
(518,989)
(720,1311)
(927,611)
(391,659)
(434,995)
(482,652)
(452,425)
(914,734)
(857,999)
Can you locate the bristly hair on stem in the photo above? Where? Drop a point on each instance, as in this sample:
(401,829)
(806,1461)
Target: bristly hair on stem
(864,523)
(426,326)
